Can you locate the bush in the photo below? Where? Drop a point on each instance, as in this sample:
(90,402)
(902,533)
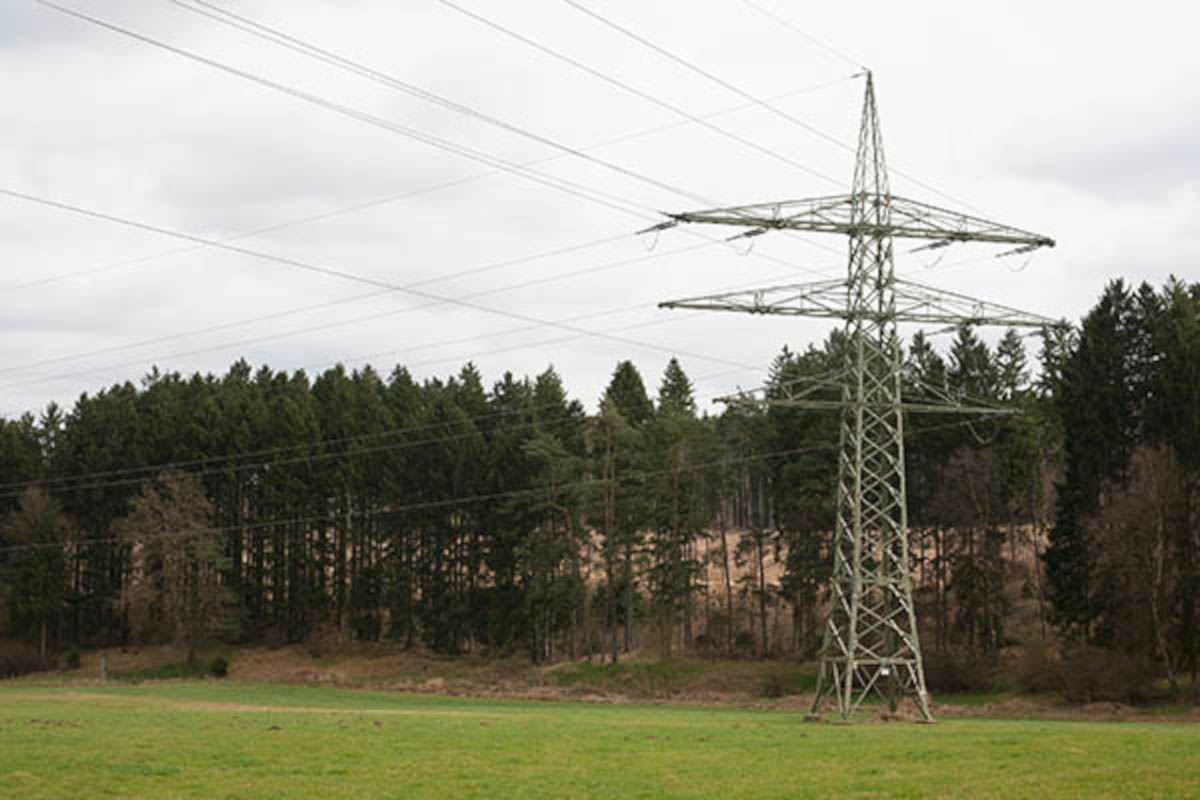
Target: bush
(1038,670)
(324,641)
(218,667)
(71,660)
(774,686)
(161,672)
(744,644)
(951,671)
(1092,675)
(19,658)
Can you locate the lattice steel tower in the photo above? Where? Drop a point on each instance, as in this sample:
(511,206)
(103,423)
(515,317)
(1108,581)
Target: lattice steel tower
(870,641)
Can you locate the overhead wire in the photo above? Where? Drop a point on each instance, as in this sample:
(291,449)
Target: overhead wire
(137,475)
(466,499)
(358,320)
(339,274)
(307,459)
(560,184)
(295,44)
(329,215)
(211,460)
(377,202)
(575,189)
(606,199)
(626,32)
(209,62)
(270,34)
(804,34)
(825,46)
(215,64)
(319,306)
(626,87)
(468,357)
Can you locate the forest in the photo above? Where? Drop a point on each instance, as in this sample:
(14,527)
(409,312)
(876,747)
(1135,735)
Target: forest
(1058,544)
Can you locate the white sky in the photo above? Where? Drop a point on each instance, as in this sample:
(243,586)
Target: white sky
(1074,120)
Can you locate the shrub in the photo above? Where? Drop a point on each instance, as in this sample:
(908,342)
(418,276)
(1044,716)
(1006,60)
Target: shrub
(744,644)
(1038,670)
(1091,675)
(774,685)
(159,673)
(71,660)
(19,658)
(952,671)
(324,641)
(218,667)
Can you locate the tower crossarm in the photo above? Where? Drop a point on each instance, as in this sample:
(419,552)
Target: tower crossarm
(914,303)
(925,304)
(803,394)
(908,219)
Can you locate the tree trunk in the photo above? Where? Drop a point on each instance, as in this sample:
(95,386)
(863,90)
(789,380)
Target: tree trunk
(762,591)
(1160,635)
(610,514)
(629,594)
(728,584)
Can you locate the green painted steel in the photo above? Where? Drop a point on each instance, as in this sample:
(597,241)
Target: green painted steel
(871,645)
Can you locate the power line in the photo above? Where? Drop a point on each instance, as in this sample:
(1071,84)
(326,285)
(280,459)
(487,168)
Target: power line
(812,39)
(357,320)
(375,203)
(328,215)
(257,453)
(637,92)
(427,345)
(627,476)
(289,448)
(63,484)
(310,50)
(808,36)
(575,189)
(303,309)
(602,198)
(341,274)
(90,19)
(331,214)
(561,184)
(306,459)
(422,505)
(708,75)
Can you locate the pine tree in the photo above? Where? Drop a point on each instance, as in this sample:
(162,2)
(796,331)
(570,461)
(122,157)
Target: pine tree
(627,393)
(675,393)
(1097,405)
(36,576)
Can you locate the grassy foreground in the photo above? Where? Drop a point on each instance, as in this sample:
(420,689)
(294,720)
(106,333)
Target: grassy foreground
(213,740)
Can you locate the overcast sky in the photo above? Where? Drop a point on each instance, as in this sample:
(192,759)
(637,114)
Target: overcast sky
(1080,121)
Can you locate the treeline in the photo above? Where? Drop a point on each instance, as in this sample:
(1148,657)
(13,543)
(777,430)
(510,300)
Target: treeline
(262,506)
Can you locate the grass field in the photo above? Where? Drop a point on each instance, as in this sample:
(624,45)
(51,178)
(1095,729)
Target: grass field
(213,740)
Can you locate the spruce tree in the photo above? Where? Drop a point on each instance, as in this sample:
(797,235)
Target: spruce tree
(627,393)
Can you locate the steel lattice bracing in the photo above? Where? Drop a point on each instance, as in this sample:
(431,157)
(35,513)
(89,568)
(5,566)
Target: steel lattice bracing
(871,645)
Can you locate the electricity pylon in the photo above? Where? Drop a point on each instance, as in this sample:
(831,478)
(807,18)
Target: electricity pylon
(870,643)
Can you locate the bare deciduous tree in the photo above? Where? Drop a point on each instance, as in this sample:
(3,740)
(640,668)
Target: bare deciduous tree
(175,592)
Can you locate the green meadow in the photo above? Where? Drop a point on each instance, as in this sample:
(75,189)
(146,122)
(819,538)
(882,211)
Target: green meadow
(216,740)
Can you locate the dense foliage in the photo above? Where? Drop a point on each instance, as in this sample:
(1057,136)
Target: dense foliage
(262,506)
